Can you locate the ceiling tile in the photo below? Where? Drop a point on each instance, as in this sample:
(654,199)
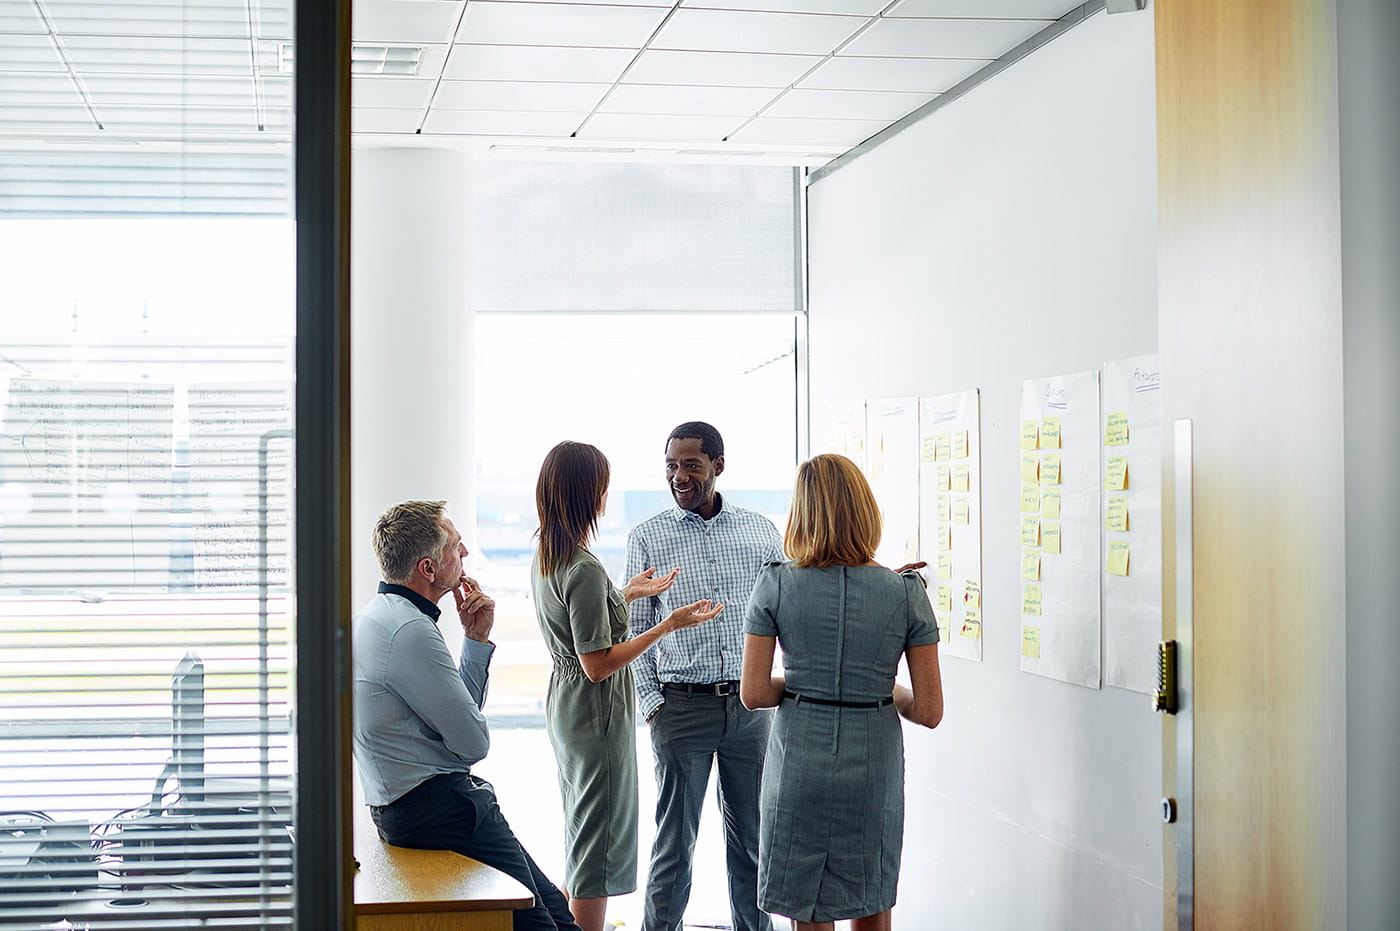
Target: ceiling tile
(375,92)
(691,100)
(29,53)
(524,63)
(811,132)
(502,123)
(846,105)
(984,9)
(738,31)
(494,23)
(719,68)
(943,38)
(930,75)
(844,7)
(414,21)
(171,90)
(383,120)
(51,87)
(159,55)
(519,96)
(659,127)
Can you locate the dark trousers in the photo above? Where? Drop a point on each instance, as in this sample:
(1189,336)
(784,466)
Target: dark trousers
(457,811)
(689,735)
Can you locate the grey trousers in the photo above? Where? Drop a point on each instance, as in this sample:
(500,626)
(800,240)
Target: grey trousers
(689,734)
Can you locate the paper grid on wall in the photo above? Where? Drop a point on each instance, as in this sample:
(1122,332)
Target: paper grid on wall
(845,431)
(1131,446)
(1059,508)
(950,518)
(892,466)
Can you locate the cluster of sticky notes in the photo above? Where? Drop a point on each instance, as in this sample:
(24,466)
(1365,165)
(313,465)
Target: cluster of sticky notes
(1115,433)
(941,447)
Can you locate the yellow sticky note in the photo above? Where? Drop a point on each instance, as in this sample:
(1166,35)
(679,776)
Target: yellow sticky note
(1118,557)
(911,548)
(1030,434)
(972,624)
(1030,499)
(972,595)
(1117,514)
(1030,604)
(945,565)
(945,537)
(1049,433)
(960,445)
(1116,476)
(960,480)
(1050,469)
(960,511)
(1050,537)
(927,448)
(1030,566)
(940,478)
(945,598)
(1115,431)
(1030,467)
(1030,642)
(941,447)
(1030,531)
(945,507)
(1049,503)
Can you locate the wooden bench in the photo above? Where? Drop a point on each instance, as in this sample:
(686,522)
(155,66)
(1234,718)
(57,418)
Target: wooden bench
(400,889)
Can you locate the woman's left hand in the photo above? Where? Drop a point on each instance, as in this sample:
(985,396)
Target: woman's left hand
(648,583)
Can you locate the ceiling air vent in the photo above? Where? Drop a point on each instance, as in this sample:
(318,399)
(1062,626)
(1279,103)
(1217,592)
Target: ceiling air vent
(398,60)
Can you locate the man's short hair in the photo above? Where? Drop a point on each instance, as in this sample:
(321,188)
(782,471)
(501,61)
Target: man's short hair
(407,532)
(711,443)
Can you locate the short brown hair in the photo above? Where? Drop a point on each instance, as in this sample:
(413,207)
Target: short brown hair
(568,496)
(407,532)
(834,520)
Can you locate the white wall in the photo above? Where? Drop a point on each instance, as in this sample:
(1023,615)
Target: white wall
(1010,235)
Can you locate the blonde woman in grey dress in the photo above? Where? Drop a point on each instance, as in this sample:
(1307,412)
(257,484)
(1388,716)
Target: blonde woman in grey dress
(590,710)
(832,810)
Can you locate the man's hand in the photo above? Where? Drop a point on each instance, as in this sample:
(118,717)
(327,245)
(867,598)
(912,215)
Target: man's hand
(645,584)
(475,609)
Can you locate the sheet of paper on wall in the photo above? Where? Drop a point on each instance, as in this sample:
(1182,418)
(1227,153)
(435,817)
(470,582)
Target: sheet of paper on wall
(893,441)
(950,519)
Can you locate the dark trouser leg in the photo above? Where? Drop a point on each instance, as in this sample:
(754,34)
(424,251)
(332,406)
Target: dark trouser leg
(459,812)
(683,738)
(741,752)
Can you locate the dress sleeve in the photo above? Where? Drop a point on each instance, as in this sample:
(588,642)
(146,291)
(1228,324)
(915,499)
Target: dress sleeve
(762,618)
(922,629)
(586,588)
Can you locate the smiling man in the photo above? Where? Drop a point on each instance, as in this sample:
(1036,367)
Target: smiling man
(687,684)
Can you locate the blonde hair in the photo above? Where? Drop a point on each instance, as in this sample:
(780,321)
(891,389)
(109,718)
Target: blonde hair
(834,520)
(406,533)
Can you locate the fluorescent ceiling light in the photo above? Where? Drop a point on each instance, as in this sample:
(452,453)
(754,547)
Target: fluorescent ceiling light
(397,60)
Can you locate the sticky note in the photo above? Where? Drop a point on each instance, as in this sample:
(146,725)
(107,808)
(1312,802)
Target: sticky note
(911,548)
(940,478)
(1049,433)
(945,507)
(1030,467)
(960,477)
(961,511)
(972,595)
(1030,642)
(972,625)
(1118,557)
(1115,431)
(1030,566)
(1116,475)
(1050,537)
(1050,469)
(945,565)
(1030,531)
(1030,434)
(1117,514)
(945,598)
(1049,503)
(941,449)
(960,445)
(1030,499)
(944,535)
(927,448)
(1030,603)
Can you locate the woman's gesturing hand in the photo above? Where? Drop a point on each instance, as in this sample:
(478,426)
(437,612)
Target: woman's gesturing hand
(693,614)
(648,583)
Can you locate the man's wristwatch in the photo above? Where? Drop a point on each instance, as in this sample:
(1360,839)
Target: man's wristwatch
(654,712)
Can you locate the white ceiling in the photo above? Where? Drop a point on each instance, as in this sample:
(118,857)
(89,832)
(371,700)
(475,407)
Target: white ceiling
(789,80)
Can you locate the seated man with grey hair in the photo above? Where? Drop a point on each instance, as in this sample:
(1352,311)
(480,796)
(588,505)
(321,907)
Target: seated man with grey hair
(418,722)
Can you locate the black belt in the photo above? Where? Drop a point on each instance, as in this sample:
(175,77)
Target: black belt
(839,704)
(704,688)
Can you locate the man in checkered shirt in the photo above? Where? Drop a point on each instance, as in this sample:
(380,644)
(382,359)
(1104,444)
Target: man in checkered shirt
(688,684)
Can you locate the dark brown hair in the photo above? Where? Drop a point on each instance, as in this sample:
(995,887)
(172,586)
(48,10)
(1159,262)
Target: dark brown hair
(568,497)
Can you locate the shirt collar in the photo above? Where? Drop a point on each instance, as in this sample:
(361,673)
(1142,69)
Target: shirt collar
(681,513)
(418,601)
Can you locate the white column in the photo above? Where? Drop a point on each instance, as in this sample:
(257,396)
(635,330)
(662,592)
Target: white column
(411,341)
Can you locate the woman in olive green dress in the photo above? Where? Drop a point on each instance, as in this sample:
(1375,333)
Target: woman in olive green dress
(590,710)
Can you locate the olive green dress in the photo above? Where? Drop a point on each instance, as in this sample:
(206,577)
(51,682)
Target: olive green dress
(592,726)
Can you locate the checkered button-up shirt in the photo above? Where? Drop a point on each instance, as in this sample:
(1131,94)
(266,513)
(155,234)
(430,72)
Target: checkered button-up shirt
(720,560)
